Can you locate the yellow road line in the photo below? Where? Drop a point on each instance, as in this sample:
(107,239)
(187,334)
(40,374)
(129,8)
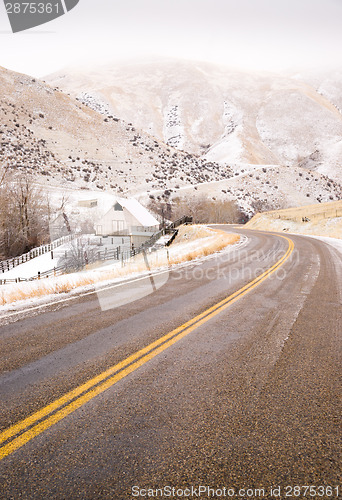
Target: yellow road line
(35,425)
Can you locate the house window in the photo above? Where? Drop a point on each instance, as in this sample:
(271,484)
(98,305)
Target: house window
(118,225)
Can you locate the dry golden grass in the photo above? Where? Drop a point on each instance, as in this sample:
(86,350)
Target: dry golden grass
(215,244)
(323,219)
(191,233)
(185,249)
(318,211)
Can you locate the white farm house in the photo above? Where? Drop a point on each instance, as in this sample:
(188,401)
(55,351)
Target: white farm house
(127,218)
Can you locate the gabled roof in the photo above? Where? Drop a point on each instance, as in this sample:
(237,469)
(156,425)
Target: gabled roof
(140,213)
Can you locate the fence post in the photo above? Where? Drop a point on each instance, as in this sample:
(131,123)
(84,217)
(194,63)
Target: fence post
(39,275)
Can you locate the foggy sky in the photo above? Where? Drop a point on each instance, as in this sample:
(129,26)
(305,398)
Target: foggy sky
(268,35)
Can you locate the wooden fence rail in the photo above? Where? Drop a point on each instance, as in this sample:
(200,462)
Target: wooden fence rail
(84,258)
(7,265)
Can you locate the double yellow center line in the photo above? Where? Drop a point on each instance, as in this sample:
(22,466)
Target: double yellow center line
(21,433)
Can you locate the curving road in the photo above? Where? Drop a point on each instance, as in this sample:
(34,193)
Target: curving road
(227,376)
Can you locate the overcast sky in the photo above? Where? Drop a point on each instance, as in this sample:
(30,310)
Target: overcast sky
(248,34)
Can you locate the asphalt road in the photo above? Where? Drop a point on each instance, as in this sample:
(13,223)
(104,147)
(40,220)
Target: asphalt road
(246,395)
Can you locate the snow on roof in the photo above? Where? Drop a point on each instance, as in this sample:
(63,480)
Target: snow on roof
(139,212)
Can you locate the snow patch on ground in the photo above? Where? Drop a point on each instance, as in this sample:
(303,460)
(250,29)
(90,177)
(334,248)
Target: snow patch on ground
(40,264)
(334,242)
(227,149)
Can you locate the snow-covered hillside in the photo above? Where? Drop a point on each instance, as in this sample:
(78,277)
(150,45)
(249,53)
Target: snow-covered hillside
(223,115)
(264,141)
(62,141)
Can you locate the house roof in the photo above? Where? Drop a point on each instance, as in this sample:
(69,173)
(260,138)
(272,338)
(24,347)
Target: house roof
(139,212)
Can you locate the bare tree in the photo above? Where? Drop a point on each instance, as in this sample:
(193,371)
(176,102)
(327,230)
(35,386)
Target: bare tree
(3,174)
(24,215)
(201,208)
(162,210)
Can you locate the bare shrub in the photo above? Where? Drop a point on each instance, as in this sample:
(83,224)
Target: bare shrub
(259,206)
(202,209)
